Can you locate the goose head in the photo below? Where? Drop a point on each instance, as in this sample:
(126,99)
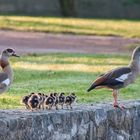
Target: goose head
(9,52)
(135,61)
(136,53)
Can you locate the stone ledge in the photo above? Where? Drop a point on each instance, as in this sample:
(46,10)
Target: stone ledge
(84,122)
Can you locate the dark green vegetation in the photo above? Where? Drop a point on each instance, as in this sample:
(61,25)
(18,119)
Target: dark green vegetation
(73,8)
(64,72)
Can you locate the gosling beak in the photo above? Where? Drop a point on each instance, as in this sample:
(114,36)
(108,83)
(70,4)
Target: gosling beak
(14,54)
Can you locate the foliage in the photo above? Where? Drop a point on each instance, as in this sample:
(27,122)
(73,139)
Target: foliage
(130,2)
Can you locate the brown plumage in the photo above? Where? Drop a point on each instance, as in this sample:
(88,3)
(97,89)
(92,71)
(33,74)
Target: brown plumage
(25,101)
(56,100)
(119,77)
(69,100)
(48,102)
(61,99)
(41,100)
(109,79)
(33,102)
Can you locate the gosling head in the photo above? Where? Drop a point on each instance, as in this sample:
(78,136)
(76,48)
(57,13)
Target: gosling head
(62,94)
(55,94)
(73,94)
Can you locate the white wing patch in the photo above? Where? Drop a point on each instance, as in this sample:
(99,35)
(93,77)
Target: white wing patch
(6,82)
(123,77)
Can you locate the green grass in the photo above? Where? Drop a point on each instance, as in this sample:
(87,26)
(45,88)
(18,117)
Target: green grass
(115,27)
(64,73)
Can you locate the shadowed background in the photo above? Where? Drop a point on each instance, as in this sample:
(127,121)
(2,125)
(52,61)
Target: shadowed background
(74,8)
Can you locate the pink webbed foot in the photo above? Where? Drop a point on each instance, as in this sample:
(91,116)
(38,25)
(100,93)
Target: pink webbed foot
(122,107)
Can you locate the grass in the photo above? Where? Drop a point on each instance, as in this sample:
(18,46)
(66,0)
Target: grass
(61,72)
(115,27)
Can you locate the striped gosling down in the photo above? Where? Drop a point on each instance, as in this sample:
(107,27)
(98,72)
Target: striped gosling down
(119,77)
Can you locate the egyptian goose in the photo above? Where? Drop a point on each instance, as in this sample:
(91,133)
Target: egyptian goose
(69,100)
(25,101)
(61,99)
(119,77)
(33,102)
(48,102)
(6,76)
(56,100)
(41,100)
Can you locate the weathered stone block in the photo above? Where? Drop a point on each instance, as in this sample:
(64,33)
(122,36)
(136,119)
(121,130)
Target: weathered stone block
(100,122)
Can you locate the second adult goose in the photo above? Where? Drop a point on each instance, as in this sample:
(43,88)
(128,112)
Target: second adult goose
(119,77)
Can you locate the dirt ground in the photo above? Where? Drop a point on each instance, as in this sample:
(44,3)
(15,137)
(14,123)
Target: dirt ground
(31,42)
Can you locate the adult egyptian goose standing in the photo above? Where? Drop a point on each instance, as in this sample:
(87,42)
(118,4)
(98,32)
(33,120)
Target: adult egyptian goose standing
(119,77)
(6,76)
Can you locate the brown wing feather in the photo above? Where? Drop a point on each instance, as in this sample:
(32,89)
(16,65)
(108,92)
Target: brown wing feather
(97,82)
(109,76)
(115,73)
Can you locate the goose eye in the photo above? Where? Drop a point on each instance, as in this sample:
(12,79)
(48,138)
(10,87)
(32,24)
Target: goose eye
(9,50)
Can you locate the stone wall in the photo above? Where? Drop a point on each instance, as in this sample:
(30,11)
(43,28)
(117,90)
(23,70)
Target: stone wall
(84,122)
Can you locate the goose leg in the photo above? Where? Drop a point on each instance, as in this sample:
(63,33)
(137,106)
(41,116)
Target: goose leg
(70,106)
(115,96)
(2,85)
(67,106)
(62,106)
(56,106)
(2,88)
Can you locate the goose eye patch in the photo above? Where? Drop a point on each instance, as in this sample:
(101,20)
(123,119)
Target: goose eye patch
(9,50)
